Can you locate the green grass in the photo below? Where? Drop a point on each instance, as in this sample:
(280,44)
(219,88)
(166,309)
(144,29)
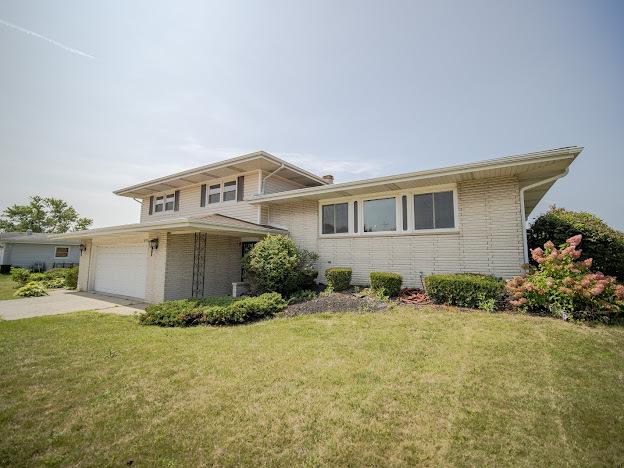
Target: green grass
(7,288)
(402,387)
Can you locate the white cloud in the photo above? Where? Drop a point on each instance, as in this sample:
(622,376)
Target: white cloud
(341,169)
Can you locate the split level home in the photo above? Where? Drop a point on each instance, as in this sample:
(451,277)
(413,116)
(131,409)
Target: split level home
(196,225)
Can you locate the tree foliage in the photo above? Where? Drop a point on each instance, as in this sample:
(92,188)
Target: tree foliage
(46,215)
(602,243)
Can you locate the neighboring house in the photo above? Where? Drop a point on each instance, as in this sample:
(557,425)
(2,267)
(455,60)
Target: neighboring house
(37,251)
(195,225)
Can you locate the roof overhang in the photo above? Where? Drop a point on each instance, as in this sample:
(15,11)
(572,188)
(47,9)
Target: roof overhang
(225,226)
(52,240)
(527,168)
(259,160)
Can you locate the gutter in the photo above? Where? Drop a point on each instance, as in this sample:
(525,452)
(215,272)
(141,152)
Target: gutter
(525,245)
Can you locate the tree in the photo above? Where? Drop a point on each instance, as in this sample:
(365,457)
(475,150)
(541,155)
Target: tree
(48,215)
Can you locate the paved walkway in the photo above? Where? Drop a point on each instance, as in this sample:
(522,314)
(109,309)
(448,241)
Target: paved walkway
(63,301)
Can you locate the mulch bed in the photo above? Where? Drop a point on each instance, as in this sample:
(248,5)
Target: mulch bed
(336,302)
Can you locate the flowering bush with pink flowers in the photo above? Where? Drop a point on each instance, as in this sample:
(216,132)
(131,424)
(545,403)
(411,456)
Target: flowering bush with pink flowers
(565,286)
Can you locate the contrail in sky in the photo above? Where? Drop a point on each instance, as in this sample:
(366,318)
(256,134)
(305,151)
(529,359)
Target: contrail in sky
(51,41)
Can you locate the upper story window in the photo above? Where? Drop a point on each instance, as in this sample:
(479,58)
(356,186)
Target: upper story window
(159,205)
(434,211)
(229,191)
(166,202)
(380,215)
(224,191)
(61,252)
(214,194)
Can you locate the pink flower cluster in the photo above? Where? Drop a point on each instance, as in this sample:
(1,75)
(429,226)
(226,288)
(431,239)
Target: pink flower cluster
(563,282)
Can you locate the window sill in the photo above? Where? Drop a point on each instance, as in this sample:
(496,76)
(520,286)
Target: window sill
(427,232)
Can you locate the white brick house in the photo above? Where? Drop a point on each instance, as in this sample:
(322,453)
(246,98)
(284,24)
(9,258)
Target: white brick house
(195,225)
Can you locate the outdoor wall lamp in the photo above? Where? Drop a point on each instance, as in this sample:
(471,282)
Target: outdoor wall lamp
(153,245)
(83,248)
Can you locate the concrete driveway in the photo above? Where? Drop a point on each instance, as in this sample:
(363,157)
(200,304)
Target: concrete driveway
(63,301)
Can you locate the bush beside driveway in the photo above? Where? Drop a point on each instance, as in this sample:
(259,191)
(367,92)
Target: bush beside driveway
(400,387)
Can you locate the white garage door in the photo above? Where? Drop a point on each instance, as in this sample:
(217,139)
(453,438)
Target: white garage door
(121,269)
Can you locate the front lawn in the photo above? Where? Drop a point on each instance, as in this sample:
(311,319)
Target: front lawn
(7,288)
(388,388)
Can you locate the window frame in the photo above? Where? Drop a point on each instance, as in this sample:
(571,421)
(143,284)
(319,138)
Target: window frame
(397,195)
(349,218)
(208,194)
(235,191)
(165,197)
(397,215)
(412,225)
(56,247)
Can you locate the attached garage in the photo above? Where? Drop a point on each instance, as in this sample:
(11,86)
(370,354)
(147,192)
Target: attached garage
(121,269)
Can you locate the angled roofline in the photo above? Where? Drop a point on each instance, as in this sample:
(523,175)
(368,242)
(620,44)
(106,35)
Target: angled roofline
(569,152)
(219,164)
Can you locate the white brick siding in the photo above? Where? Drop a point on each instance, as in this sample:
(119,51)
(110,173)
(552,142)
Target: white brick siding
(489,239)
(223,265)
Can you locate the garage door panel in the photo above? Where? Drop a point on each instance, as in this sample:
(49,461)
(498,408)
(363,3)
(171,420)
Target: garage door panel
(121,269)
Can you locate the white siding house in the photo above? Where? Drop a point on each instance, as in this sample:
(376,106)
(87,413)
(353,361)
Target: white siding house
(194,225)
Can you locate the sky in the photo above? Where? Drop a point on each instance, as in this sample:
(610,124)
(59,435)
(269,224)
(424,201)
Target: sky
(96,96)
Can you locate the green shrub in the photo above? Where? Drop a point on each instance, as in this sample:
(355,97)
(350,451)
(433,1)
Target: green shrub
(276,265)
(20,275)
(302,295)
(71,277)
(465,290)
(38,277)
(190,312)
(602,243)
(32,289)
(55,273)
(338,279)
(565,286)
(389,283)
(166,313)
(54,283)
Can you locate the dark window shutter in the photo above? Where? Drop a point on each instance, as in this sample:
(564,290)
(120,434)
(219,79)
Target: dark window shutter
(202,195)
(151,207)
(240,188)
(176,200)
(355,216)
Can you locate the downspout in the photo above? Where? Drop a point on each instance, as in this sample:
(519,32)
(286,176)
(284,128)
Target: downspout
(265,178)
(525,245)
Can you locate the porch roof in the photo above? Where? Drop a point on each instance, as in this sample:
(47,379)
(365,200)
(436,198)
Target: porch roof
(215,223)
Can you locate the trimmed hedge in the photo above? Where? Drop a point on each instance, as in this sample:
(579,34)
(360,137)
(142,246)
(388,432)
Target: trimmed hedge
(190,312)
(602,243)
(338,278)
(390,283)
(464,289)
